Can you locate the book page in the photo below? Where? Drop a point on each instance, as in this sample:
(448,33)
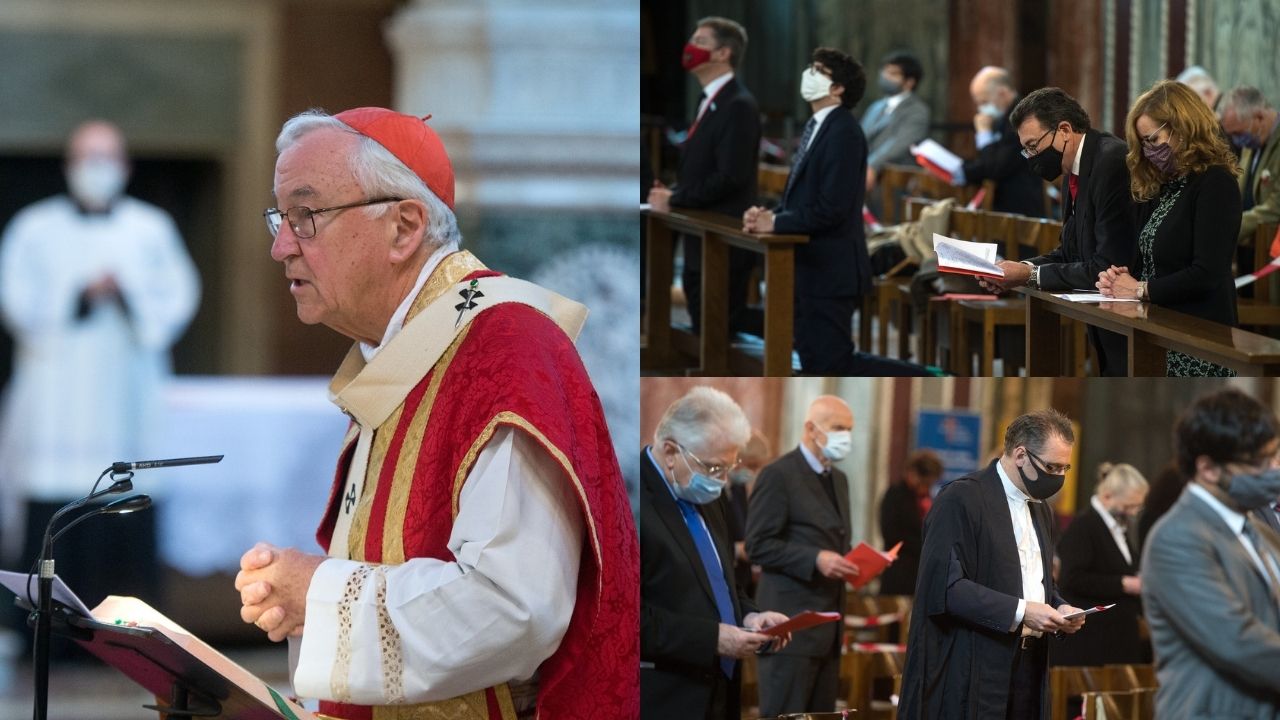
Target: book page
(116,610)
(964,255)
(1088,297)
(938,155)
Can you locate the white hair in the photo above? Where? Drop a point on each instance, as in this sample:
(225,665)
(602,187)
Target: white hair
(701,417)
(1198,79)
(1244,100)
(1119,479)
(379,174)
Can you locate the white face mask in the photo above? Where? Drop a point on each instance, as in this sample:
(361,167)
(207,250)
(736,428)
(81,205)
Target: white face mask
(814,85)
(96,182)
(989,109)
(839,443)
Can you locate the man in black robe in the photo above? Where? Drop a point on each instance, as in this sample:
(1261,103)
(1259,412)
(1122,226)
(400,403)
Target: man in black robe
(985,597)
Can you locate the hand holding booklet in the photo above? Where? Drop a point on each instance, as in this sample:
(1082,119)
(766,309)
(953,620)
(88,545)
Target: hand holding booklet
(801,621)
(1090,611)
(967,258)
(870,563)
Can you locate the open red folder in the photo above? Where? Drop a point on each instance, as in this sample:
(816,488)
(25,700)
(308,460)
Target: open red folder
(870,562)
(802,621)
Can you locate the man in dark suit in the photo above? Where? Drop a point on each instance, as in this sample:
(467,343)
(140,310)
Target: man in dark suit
(985,597)
(718,163)
(1211,572)
(902,511)
(1098,229)
(1100,567)
(823,199)
(1018,190)
(695,625)
(798,532)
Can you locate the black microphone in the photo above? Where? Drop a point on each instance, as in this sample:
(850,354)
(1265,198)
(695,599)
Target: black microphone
(124,467)
(130,504)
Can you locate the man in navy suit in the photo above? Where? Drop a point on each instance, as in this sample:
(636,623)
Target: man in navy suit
(985,596)
(718,163)
(823,199)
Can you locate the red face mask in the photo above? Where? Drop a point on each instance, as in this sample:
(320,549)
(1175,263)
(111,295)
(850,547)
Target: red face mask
(694,56)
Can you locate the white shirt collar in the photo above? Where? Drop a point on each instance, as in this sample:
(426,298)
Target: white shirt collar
(894,101)
(1233,519)
(1075,164)
(818,119)
(714,86)
(1010,490)
(1107,517)
(813,460)
(396,324)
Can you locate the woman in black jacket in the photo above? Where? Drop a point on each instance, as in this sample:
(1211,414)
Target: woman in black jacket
(1184,176)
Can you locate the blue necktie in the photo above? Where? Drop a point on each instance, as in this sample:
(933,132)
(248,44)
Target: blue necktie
(719,588)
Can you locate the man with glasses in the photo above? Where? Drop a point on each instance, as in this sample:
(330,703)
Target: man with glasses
(1098,230)
(798,533)
(95,287)
(481,552)
(695,623)
(986,600)
(1211,568)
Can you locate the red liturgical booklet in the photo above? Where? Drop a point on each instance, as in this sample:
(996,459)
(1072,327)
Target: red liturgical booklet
(803,621)
(870,562)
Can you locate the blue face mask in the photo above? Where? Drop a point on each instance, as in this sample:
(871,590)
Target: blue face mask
(1246,140)
(701,488)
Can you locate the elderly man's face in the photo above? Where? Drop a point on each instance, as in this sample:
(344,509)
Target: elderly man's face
(715,460)
(335,274)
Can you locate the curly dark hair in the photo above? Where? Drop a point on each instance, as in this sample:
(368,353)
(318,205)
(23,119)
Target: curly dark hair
(845,72)
(909,65)
(1225,426)
(1050,106)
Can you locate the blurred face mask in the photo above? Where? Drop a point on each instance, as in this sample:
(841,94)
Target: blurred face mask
(814,85)
(693,56)
(95,182)
(838,445)
(989,109)
(888,87)
(1254,491)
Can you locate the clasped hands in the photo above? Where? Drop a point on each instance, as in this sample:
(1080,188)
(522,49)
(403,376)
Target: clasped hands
(273,585)
(757,220)
(1116,282)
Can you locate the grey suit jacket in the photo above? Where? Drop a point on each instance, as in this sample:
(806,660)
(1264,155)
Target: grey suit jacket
(890,137)
(1215,625)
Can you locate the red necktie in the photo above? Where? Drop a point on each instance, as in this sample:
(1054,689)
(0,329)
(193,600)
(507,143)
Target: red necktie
(1073,182)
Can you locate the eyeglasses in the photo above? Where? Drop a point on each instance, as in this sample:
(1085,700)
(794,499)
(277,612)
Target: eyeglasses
(302,218)
(1031,149)
(1050,468)
(1150,140)
(717,470)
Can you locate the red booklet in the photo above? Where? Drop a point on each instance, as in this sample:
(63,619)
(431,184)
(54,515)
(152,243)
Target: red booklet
(870,562)
(803,621)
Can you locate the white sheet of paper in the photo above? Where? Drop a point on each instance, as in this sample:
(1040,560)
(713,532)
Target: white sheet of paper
(17,583)
(1088,297)
(966,255)
(938,155)
(645,206)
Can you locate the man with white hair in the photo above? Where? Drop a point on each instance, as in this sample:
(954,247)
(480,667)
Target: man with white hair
(482,558)
(695,624)
(1018,190)
(798,532)
(1251,122)
(1199,80)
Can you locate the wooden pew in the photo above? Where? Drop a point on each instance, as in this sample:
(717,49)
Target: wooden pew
(1150,330)
(1262,309)
(895,180)
(663,346)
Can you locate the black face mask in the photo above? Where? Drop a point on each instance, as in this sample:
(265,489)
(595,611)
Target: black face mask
(1045,486)
(1048,162)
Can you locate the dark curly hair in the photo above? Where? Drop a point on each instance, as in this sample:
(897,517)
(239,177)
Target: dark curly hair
(844,71)
(1225,426)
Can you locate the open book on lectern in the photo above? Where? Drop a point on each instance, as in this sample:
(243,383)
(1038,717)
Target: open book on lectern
(163,657)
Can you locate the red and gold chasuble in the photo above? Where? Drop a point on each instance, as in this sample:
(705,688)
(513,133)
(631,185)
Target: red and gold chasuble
(511,366)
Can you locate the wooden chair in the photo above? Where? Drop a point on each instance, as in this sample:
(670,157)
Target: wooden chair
(1119,704)
(863,669)
(750,683)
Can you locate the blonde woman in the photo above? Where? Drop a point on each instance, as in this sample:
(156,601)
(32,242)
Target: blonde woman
(1183,176)
(1100,567)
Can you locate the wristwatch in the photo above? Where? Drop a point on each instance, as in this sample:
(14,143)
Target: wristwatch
(1142,290)
(1033,281)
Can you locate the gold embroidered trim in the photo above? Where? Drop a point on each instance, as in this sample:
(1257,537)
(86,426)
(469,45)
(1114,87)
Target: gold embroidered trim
(512,418)
(472,706)
(451,270)
(389,639)
(402,481)
(339,679)
(372,474)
